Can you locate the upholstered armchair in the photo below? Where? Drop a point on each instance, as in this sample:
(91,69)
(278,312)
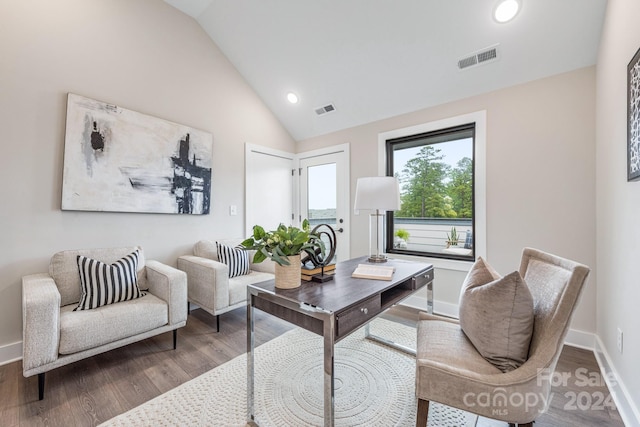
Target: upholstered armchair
(218,287)
(67,317)
(452,371)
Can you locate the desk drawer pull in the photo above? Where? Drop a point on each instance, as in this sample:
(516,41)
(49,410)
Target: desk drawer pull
(365,310)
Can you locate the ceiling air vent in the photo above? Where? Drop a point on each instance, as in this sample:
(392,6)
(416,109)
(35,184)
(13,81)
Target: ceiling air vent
(325,109)
(483,56)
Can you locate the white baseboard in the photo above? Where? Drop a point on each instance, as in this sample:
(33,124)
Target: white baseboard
(10,353)
(621,396)
(581,339)
(439,307)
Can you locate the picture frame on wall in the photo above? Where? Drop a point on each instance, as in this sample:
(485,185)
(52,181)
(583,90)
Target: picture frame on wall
(633,118)
(118,160)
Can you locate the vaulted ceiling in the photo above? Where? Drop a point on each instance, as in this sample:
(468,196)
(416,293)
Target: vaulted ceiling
(374,59)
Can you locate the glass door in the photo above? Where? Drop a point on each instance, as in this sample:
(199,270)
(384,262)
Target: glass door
(324,195)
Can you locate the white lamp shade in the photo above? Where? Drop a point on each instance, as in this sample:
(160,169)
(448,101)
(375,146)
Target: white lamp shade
(377,192)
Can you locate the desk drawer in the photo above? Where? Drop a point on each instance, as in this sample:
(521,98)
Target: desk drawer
(422,279)
(357,316)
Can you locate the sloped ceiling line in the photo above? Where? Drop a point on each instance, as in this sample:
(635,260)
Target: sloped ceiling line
(377,59)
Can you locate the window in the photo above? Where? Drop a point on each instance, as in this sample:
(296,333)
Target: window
(436,174)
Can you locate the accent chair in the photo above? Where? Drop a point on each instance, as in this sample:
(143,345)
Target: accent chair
(63,322)
(450,369)
(218,284)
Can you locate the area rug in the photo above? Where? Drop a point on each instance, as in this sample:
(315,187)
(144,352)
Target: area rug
(374,386)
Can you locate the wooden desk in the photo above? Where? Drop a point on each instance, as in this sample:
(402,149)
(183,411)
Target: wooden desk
(333,310)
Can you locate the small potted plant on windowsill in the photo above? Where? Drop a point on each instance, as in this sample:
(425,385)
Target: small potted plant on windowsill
(402,237)
(284,246)
(452,238)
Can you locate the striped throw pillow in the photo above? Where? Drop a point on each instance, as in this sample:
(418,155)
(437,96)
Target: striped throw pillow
(237,259)
(104,284)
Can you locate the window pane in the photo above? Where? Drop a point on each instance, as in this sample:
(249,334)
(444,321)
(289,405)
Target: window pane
(435,172)
(322,197)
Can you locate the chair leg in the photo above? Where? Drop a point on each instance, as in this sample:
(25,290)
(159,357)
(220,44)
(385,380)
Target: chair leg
(423,413)
(175,339)
(41,386)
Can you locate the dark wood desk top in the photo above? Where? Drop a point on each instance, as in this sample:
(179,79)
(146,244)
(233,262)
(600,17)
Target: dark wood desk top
(344,291)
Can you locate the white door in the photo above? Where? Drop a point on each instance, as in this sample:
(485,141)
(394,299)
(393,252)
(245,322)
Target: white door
(269,188)
(324,192)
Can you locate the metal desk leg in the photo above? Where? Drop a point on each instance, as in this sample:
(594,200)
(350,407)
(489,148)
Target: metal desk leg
(329,373)
(393,344)
(250,362)
(377,338)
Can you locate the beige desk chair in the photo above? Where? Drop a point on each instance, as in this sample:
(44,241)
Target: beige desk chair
(449,369)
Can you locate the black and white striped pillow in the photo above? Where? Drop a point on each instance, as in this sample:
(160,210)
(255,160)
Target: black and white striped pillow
(237,259)
(104,284)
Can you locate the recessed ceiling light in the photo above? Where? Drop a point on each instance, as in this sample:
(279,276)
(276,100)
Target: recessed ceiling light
(292,98)
(506,10)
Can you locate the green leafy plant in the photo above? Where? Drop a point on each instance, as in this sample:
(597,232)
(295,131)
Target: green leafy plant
(403,234)
(283,242)
(452,239)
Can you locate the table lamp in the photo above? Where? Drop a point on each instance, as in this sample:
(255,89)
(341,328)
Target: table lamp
(379,193)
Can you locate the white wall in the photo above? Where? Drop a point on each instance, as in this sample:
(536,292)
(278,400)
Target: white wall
(618,201)
(540,175)
(142,55)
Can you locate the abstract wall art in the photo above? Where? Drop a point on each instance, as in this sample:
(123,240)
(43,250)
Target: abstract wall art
(633,118)
(118,160)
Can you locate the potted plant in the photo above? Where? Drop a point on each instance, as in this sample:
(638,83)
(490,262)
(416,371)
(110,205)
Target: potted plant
(284,246)
(452,239)
(402,237)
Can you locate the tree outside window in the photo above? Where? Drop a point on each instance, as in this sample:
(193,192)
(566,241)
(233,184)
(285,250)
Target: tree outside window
(435,171)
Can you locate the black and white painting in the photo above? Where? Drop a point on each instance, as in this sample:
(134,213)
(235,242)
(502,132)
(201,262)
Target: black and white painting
(633,118)
(118,160)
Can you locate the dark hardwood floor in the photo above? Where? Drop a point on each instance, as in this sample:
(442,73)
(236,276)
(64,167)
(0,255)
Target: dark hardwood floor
(96,389)
(581,400)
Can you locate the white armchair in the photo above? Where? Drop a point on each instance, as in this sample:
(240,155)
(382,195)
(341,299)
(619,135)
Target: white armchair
(210,286)
(55,335)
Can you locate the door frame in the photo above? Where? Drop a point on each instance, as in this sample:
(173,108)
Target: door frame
(343,178)
(249,222)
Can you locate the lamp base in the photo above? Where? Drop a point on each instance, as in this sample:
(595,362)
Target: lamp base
(377,258)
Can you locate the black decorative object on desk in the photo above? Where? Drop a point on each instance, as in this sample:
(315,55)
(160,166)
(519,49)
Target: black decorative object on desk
(316,266)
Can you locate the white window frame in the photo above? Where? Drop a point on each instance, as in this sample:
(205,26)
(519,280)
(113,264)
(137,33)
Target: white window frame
(480,179)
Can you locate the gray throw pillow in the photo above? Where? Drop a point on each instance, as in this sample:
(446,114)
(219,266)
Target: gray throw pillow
(496,314)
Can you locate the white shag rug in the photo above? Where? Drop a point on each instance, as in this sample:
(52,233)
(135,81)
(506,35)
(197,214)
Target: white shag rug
(374,386)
